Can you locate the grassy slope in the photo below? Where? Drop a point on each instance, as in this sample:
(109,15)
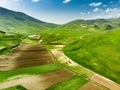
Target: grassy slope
(75,29)
(62,36)
(17,22)
(96,24)
(100,53)
(72,83)
(18,87)
(12,74)
(7,42)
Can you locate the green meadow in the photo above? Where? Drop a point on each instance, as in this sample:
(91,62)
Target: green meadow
(100,53)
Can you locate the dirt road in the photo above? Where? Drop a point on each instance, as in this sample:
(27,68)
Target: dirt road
(96,77)
(105,81)
(91,86)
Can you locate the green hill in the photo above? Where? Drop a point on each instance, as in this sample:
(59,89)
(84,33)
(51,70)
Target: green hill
(100,53)
(92,25)
(75,29)
(17,22)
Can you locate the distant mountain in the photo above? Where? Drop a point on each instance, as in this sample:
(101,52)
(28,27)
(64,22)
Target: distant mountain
(75,29)
(11,21)
(91,25)
(18,22)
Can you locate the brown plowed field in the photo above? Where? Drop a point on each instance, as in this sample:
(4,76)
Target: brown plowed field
(25,55)
(40,82)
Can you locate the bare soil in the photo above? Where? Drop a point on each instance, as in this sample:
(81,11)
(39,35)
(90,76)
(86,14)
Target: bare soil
(41,81)
(25,55)
(91,86)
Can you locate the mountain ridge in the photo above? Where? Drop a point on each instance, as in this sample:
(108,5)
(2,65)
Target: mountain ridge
(18,22)
(13,21)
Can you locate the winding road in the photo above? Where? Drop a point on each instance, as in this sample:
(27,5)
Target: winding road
(62,58)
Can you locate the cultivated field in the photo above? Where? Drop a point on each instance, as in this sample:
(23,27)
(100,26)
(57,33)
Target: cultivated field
(73,83)
(25,55)
(23,65)
(41,81)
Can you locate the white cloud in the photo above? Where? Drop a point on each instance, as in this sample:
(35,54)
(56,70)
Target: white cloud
(82,13)
(3,1)
(112,10)
(105,5)
(88,13)
(17,0)
(109,13)
(101,13)
(96,10)
(108,10)
(95,4)
(6,1)
(85,13)
(111,2)
(66,1)
(35,0)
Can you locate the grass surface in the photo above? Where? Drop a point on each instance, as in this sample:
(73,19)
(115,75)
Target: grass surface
(100,53)
(80,70)
(72,83)
(18,87)
(29,41)
(7,42)
(17,73)
(51,47)
(62,36)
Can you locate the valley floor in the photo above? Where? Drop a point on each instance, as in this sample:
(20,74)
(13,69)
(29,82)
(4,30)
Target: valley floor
(27,55)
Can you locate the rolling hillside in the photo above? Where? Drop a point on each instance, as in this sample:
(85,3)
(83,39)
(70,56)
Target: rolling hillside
(100,53)
(91,25)
(11,21)
(73,30)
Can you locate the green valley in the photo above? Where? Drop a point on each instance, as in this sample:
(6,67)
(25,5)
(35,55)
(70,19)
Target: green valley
(78,55)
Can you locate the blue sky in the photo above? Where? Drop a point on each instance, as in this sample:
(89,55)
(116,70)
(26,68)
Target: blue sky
(63,11)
